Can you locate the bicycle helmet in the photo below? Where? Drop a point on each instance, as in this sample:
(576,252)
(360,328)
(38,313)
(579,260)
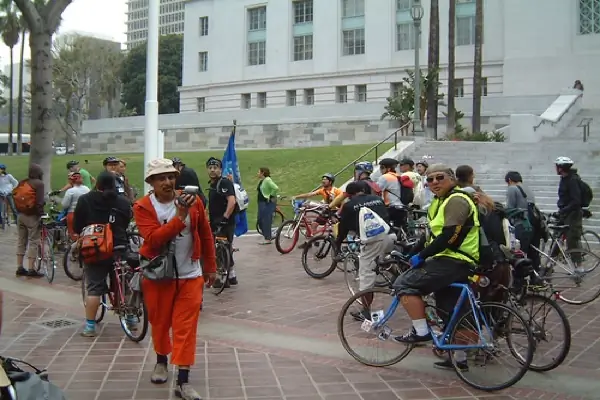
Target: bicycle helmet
(72,163)
(2,166)
(406,161)
(364,166)
(388,163)
(177,160)
(423,163)
(110,160)
(563,161)
(329,176)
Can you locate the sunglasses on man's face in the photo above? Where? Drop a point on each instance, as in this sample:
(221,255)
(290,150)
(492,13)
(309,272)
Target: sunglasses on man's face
(437,178)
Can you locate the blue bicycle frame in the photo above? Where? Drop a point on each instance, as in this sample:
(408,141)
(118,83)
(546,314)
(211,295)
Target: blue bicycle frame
(466,294)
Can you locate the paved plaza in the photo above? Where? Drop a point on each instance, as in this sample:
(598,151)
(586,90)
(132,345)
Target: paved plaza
(272,337)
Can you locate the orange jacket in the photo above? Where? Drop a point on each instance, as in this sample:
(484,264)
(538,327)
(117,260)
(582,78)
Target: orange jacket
(157,235)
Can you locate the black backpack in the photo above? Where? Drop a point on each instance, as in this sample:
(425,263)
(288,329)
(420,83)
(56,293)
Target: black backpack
(534,214)
(587,195)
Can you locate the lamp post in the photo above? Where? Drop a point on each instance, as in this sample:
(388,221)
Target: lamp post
(152,149)
(416,12)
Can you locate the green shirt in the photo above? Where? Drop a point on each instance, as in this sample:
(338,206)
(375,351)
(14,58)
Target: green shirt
(268,188)
(86,177)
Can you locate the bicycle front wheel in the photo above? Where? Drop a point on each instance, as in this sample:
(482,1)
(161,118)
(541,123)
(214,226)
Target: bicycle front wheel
(223,267)
(287,236)
(45,260)
(581,286)
(317,256)
(72,266)
(499,325)
(133,315)
(590,241)
(373,347)
(352,272)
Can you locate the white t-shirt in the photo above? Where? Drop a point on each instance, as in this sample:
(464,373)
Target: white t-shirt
(184,242)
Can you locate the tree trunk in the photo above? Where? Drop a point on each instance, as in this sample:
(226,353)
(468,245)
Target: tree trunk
(477,67)
(20,101)
(450,120)
(40,41)
(10,104)
(433,64)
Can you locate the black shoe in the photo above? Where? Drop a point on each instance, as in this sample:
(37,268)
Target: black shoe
(22,272)
(34,274)
(462,366)
(412,337)
(233,281)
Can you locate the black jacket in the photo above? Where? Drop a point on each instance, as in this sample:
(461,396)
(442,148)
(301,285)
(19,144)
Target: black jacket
(350,210)
(95,207)
(187,177)
(569,193)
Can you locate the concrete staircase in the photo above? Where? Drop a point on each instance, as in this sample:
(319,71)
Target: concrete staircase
(534,161)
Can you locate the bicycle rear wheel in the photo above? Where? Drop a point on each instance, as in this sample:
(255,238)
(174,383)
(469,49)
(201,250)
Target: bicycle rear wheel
(45,259)
(278,219)
(590,241)
(373,348)
(133,315)
(73,268)
(102,309)
(223,266)
(287,230)
(497,322)
(577,288)
(323,248)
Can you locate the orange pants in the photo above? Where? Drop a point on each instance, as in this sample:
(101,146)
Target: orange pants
(70,222)
(174,305)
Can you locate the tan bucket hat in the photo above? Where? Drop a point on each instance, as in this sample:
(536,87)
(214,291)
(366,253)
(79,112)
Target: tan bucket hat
(160,166)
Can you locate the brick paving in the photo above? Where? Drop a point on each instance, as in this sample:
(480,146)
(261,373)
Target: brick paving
(274,294)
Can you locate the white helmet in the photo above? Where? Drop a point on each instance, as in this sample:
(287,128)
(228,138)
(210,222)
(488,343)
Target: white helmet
(563,161)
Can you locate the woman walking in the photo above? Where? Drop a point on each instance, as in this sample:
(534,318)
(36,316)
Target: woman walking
(267,201)
(174,227)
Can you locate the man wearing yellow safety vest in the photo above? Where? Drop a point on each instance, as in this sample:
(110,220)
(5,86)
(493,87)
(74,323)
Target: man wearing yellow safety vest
(450,254)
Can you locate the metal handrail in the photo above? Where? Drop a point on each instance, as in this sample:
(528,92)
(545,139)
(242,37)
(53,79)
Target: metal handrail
(374,147)
(585,124)
(543,121)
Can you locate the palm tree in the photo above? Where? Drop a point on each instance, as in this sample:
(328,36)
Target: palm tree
(451,115)
(433,65)
(9,25)
(477,66)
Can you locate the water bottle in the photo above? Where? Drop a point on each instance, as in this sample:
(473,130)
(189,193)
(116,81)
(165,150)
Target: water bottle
(352,244)
(512,238)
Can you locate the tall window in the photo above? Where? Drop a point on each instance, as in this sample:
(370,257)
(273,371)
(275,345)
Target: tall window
(290,96)
(303,11)
(484,87)
(203,61)
(261,99)
(303,48)
(459,88)
(589,17)
(360,93)
(341,94)
(405,36)
(203,26)
(465,31)
(257,36)
(309,97)
(353,8)
(395,89)
(257,18)
(403,5)
(246,101)
(353,42)
(201,104)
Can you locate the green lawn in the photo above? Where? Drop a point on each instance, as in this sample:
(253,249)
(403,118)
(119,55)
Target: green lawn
(294,170)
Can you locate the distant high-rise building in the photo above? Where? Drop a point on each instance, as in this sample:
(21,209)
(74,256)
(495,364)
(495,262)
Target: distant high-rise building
(170,20)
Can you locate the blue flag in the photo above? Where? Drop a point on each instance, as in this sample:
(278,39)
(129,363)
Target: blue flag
(231,170)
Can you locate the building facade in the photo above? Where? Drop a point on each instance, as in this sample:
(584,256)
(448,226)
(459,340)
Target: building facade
(246,54)
(170,20)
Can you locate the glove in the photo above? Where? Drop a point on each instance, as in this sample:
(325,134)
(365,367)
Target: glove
(415,261)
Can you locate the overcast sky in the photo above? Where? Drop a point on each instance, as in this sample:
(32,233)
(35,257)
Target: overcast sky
(102,18)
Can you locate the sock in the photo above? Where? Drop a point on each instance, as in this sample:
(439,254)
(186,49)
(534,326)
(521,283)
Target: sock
(231,273)
(183,376)
(90,324)
(460,356)
(420,326)
(160,359)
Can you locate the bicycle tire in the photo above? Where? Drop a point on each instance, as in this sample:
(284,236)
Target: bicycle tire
(68,272)
(278,219)
(524,362)
(223,266)
(346,345)
(595,239)
(295,237)
(101,309)
(48,261)
(352,272)
(566,327)
(142,330)
(597,293)
(308,245)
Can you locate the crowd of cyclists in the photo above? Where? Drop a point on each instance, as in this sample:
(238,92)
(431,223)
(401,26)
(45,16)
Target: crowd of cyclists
(462,230)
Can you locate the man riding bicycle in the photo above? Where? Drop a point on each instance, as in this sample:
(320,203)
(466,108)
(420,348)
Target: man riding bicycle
(449,255)
(7,184)
(362,172)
